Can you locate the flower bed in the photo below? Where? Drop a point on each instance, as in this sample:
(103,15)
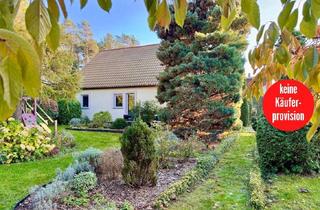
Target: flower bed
(115,192)
(77,188)
(142,197)
(20,144)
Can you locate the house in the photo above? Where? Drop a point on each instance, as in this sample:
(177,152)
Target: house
(115,80)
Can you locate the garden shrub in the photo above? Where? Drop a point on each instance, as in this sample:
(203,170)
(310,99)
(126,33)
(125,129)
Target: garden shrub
(166,144)
(286,152)
(245,113)
(75,122)
(110,165)
(254,122)
(68,109)
(18,143)
(256,188)
(42,197)
(90,155)
(66,139)
(51,108)
(146,111)
(164,115)
(75,168)
(204,165)
(83,183)
(85,120)
(189,147)
(92,125)
(139,154)
(79,176)
(119,123)
(100,119)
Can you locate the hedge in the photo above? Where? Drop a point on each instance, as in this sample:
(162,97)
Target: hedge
(68,109)
(257,189)
(286,152)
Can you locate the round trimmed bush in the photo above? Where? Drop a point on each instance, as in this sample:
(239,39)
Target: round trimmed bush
(139,155)
(119,123)
(83,182)
(75,122)
(286,152)
(100,119)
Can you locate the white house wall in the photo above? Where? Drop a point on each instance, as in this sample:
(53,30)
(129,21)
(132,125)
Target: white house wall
(103,99)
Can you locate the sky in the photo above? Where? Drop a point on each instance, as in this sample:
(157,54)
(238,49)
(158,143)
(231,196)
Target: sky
(269,11)
(130,17)
(126,16)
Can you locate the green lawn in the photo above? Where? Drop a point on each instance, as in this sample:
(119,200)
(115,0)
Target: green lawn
(285,191)
(16,179)
(226,187)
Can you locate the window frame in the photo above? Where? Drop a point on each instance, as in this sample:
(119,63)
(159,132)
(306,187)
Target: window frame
(84,107)
(115,101)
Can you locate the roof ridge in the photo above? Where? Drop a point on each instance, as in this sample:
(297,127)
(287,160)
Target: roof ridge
(122,48)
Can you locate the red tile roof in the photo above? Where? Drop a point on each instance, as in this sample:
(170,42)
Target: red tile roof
(124,67)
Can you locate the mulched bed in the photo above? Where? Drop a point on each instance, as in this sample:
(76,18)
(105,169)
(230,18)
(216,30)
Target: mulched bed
(143,197)
(140,198)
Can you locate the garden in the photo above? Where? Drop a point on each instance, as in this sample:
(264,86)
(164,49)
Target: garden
(204,142)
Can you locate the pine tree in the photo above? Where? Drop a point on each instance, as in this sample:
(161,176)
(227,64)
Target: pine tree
(203,77)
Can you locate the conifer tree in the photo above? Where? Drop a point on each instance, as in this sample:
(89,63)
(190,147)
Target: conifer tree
(204,69)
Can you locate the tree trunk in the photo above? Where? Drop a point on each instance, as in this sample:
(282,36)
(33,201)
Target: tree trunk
(19,110)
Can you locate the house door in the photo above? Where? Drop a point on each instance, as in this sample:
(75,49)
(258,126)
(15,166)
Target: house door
(131,102)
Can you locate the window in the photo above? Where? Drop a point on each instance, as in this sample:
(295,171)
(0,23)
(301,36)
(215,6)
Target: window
(118,101)
(131,102)
(85,101)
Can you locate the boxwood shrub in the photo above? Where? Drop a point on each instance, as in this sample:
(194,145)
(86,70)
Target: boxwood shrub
(68,110)
(139,155)
(119,123)
(286,152)
(256,189)
(100,119)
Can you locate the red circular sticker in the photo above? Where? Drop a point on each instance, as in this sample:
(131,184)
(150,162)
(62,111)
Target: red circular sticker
(288,105)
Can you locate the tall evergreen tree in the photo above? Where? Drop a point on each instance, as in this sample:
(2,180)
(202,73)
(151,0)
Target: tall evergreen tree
(202,81)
